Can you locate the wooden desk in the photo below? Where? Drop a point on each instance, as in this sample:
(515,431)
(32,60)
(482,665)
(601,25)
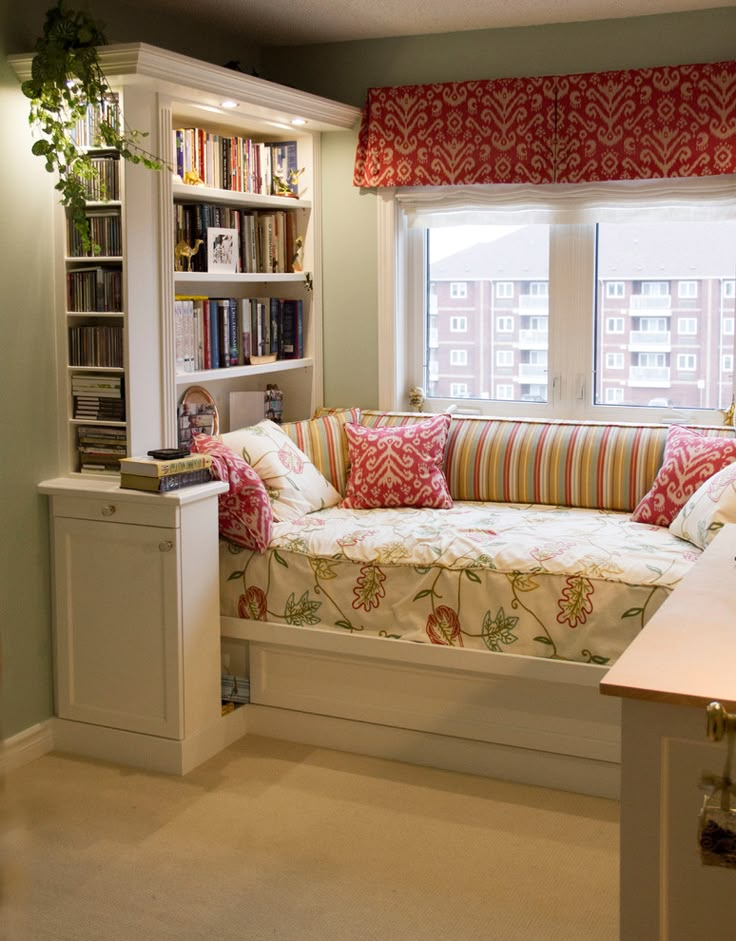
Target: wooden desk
(684,658)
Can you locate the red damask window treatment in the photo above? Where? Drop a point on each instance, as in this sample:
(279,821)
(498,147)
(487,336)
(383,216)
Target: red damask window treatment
(657,123)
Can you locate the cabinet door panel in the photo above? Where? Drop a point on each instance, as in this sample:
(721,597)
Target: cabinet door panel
(117,631)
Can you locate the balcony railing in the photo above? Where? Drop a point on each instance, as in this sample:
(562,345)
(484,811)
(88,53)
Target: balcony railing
(533,372)
(639,302)
(641,339)
(649,375)
(533,339)
(535,301)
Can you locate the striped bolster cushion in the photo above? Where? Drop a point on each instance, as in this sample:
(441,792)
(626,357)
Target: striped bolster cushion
(375,419)
(324,441)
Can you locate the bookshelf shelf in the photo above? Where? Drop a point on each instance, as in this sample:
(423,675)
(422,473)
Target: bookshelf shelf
(183,192)
(233,372)
(187,279)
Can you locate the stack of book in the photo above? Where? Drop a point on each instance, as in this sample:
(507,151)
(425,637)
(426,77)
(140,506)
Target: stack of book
(98,397)
(100,448)
(163,476)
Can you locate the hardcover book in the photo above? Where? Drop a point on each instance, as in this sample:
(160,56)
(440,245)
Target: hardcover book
(150,467)
(165,484)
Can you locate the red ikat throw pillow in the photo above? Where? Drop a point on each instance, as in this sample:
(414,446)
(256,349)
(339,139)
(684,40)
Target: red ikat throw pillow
(689,459)
(398,466)
(244,513)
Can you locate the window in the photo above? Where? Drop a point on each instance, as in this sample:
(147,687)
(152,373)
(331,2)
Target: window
(599,301)
(729,288)
(458,290)
(458,357)
(505,289)
(459,390)
(727,362)
(504,357)
(459,324)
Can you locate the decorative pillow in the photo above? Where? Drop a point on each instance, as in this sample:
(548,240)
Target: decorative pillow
(399,466)
(244,512)
(689,459)
(712,505)
(294,484)
(323,440)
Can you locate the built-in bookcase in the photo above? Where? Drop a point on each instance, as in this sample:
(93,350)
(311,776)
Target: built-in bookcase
(117,311)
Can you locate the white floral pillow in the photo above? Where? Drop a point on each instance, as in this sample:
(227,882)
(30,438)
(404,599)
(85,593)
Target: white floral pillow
(294,484)
(712,505)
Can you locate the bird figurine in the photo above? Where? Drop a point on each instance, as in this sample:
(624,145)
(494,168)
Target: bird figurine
(416,398)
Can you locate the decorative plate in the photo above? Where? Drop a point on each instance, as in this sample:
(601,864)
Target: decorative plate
(199,402)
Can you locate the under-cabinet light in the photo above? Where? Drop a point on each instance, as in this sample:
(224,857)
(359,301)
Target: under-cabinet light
(228,103)
(298,122)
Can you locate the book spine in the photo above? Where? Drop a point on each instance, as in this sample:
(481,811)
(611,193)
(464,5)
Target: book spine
(151,468)
(185,479)
(276,325)
(234,332)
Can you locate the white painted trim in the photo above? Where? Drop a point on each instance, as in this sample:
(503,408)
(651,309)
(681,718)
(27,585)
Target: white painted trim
(390,349)
(526,766)
(26,746)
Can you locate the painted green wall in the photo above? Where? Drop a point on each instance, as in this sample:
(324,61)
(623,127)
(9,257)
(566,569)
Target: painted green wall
(340,71)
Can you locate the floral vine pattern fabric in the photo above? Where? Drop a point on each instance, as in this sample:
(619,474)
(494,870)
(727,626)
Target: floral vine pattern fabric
(554,582)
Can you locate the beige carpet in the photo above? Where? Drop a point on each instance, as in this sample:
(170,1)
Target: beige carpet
(271,840)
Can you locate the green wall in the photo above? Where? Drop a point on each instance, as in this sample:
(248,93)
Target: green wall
(341,71)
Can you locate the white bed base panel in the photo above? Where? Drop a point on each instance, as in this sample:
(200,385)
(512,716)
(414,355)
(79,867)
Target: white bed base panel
(521,718)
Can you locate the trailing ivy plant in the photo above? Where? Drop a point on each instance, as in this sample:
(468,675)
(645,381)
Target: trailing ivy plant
(66,81)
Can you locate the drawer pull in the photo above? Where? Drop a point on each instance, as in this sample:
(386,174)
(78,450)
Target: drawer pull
(166,545)
(109,509)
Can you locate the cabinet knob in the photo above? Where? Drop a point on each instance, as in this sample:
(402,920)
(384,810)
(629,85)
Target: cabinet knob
(165,546)
(108,509)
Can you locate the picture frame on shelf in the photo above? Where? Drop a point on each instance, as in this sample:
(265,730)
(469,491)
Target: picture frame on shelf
(222,250)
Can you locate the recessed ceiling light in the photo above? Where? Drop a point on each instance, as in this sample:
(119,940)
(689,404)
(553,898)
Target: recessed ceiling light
(298,122)
(228,104)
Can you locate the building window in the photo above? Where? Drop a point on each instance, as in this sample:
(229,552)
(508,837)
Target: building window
(614,395)
(458,290)
(687,326)
(539,289)
(458,357)
(505,289)
(614,360)
(727,362)
(615,325)
(655,288)
(459,390)
(686,362)
(504,391)
(687,289)
(504,357)
(728,326)
(614,288)
(459,324)
(729,288)
(505,324)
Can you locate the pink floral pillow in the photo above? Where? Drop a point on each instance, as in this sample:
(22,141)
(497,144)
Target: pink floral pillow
(244,512)
(690,458)
(398,466)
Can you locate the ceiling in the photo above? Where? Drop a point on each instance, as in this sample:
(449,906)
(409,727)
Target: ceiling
(297,22)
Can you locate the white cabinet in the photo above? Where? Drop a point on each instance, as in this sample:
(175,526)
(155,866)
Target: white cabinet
(137,631)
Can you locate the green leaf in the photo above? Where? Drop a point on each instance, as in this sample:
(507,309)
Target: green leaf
(543,640)
(280,559)
(632,613)
(235,575)
(472,576)
(423,594)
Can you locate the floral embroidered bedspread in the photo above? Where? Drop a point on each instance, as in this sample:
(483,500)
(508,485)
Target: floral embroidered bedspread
(555,582)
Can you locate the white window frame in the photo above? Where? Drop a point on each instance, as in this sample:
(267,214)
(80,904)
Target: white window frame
(504,290)
(687,362)
(504,359)
(614,395)
(615,289)
(458,290)
(458,324)
(455,388)
(502,388)
(683,326)
(615,325)
(402,285)
(615,361)
(687,289)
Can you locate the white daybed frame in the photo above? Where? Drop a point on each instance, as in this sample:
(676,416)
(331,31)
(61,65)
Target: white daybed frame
(525,719)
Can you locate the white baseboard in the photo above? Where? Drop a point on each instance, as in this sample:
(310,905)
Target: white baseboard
(543,769)
(26,746)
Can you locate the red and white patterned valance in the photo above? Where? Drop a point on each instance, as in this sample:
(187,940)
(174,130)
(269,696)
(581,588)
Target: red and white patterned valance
(672,121)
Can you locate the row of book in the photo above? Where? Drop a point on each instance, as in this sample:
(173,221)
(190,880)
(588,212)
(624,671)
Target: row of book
(105,233)
(265,239)
(216,333)
(96,345)
(98,397)
(101,448)
(105,180)
(86,131)
(236,163)
(94,288)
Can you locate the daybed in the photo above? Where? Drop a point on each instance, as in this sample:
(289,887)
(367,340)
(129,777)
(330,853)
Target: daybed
(471,633)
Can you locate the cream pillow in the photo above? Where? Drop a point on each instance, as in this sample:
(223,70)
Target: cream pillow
(294,484)
(712,505)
